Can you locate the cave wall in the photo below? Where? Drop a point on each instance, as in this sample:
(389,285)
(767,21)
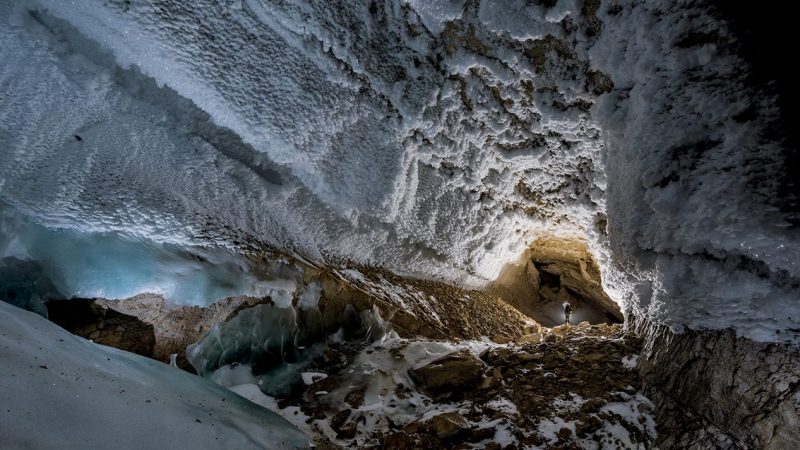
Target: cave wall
(554,271)
(438,142)
(700,220)
(433,141)
(713,389)
(702,237)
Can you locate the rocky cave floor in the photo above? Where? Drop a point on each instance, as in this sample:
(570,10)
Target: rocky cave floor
(564,387)
(403,386)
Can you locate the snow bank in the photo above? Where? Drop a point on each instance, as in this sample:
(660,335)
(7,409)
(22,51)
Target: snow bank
(62,391)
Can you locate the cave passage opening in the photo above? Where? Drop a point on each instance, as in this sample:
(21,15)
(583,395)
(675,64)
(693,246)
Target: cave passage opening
(552,271)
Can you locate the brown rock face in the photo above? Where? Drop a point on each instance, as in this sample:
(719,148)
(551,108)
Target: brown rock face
(104,325)
(450,375)
(403,441)
(177,327)
(145,324)
(715,390)
(344,429)
(429,308)
(449,425)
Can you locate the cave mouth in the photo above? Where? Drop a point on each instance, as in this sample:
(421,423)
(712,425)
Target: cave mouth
(552,271)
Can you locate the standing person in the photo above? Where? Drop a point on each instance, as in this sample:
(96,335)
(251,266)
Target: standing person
(567,311)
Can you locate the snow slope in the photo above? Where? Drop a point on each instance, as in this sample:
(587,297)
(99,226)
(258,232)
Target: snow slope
(61,391)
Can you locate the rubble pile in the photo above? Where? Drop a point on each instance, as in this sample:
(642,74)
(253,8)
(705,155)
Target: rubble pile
(561,387)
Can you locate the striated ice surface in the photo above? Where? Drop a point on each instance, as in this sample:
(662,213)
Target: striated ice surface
(111,265)
(94,397)
(370,155)
(437,139)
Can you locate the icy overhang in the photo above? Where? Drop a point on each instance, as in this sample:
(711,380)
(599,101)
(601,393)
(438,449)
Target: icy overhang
(437,142)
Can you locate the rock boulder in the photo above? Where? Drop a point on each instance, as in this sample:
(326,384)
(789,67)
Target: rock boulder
(452,374)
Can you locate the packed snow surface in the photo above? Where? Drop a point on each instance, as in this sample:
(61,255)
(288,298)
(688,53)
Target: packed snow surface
(430,138)
(61,391)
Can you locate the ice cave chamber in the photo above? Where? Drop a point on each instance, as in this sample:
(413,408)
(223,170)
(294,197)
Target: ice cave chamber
(398,224)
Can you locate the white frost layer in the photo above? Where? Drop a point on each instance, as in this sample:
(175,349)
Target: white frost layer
(435,14)
(698,234)
(95,397)
(504,405)
(629,362)
(312,377)
(432,139)
(352,145)
(634,410)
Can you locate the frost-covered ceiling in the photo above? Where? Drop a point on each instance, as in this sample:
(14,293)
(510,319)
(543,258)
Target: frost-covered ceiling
(436,139)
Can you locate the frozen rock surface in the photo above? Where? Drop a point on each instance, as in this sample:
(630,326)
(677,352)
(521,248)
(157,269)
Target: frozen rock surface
(97,322)
(713,389)
(457,372)
(279,341)
(177,327)
(62,391)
